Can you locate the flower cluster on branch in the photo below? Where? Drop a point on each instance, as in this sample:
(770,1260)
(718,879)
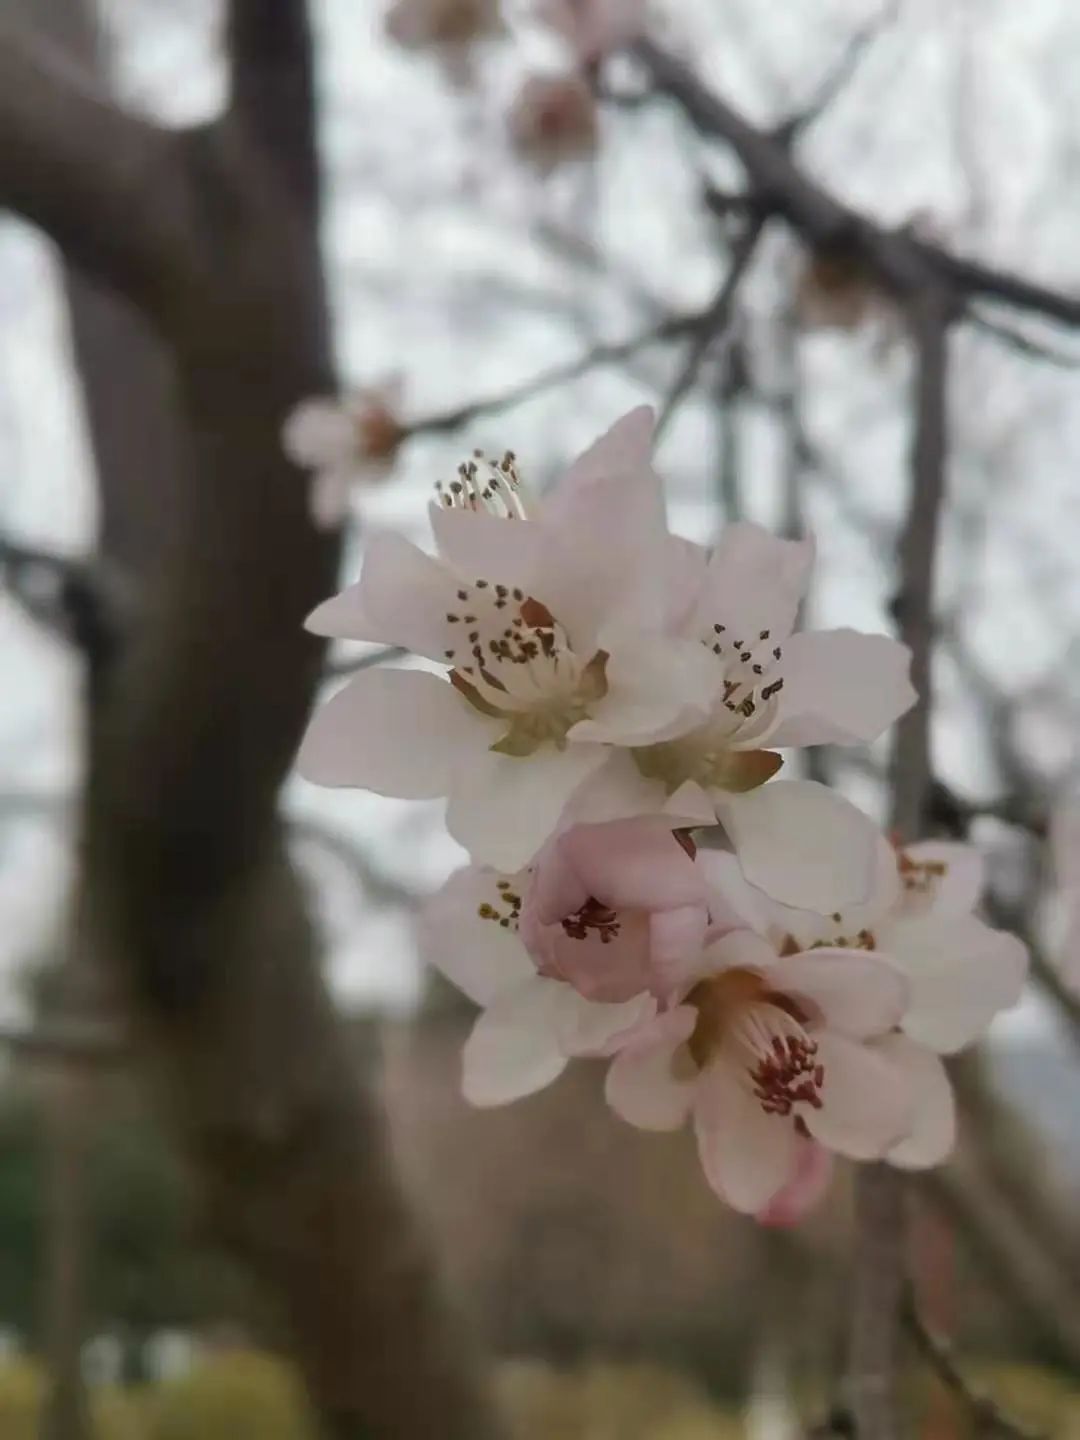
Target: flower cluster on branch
(605,706)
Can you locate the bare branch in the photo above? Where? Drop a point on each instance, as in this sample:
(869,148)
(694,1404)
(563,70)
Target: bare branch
(107,187)
(901,260)
(988,1416)
(713,321)
(1022,343)
(839,77)
(84,1042)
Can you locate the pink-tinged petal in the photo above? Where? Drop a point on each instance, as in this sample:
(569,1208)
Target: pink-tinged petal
(402,598)
(802,843)
(319,433)
(961,973)
(585,1027)
(754,582)
(748,1156)
(657,687)
(806,1189)
(624,449)
(486,547)
(329,497)
(866,1107)
(632,864)
(513,1049)
(841,687)
(684,566)
(556,887)
(645,1085)
(933,1120)
(396,732)
(959,889)
(857,993)
(676,940)
(481,957)
(503,807)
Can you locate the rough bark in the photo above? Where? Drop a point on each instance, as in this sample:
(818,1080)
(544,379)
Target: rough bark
(186,893)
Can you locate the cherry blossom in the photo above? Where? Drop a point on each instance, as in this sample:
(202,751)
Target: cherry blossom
(797,840)
(447,26)
(344,443)
(594,28)
(531,1023)
(553,119)
(541,615)
(768,1054)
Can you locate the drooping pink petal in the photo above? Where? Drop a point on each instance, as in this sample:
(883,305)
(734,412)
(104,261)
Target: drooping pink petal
(631,864)
(866,1108)
(802,843)
(805,1190)
(754,583)
(396,732)
(481,957)
(503,807)
(402,598)
(513,1049)
(856,993)
(748,1156)
(961,973)
(644,1084)
(932,1132)
(841,687)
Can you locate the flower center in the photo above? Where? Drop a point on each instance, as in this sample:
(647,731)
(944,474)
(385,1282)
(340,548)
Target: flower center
(507,908)
(764,1033)
(592,917)
(920,878)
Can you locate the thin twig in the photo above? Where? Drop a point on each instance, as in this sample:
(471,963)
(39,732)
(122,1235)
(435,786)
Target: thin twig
(1020,342)
(988,1416)
(839,77)
(713,321)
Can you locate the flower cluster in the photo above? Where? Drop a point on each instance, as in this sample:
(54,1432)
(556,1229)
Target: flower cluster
(604,708)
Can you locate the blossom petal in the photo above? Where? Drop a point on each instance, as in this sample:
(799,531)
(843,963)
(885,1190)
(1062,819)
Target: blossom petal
(657,687)
(866,1108)
(841,687)
(631,864)
(590,1027)
(319,433)
(330,495)
(396,732)
(513,1050)
(805,1190)
(855,993)
(644,1084)
(684,563)
(402,598)
(962,974)
(748,1156)
(481,957)
(960,888)
(619,791)
(933,1121)
(486,547)
(802,843)
(503,807)
(676,939)
(754,582)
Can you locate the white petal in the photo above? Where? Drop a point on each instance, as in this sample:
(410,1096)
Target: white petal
(396,732)
(684,564)
(588,1027)
(962,974)
(841,687)
(754,582)
(802,843)
(933,1120)
(513,1050)
(619,791)
(642,1083)
(656,688)
(480,957)
(874,913)
(319,432)
(484,547)
(622,449)
(959,890)
(856,993)
(866,1105)
(329,497)
(402,598)
(503,807)
(748,1156)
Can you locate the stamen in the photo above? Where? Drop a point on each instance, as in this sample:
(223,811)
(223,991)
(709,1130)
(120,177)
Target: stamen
(592,917)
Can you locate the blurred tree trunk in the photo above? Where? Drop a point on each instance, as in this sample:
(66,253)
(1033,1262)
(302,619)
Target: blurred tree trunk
(187,896)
